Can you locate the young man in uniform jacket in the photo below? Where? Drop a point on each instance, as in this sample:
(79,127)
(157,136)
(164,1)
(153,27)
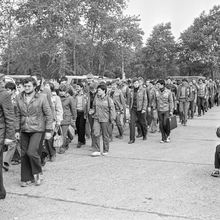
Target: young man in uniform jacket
(201,96)
(164,102)
(7,132)
(137,102)
(183,96)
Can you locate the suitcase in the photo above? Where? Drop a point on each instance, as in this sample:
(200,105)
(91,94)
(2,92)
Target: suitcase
(172,122)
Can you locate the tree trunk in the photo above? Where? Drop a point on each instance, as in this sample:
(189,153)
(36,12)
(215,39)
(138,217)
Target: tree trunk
(9,37)
(122,64)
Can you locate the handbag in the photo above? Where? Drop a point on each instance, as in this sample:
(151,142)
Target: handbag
(172,122)
(58,138)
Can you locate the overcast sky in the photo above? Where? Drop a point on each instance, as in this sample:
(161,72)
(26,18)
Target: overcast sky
(180,13)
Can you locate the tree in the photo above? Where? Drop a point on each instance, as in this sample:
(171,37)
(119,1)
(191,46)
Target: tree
(160,53)
(199,45)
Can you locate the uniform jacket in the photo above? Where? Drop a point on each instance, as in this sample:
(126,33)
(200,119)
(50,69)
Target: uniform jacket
(118,100)
(35,116)
(104,109)
(164,100)
(152,97)
(7,117)
(193,93)
(69,109)
(180,95)
(142,101)
(202,90)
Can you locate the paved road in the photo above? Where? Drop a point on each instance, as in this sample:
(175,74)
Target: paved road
(145,180)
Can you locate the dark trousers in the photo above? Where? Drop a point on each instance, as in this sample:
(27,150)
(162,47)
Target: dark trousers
(191,109)
(81,127)
(163,124)
(119,124)
(217,157)
(149,117)
(2,188)
(30,155)
(91,122)
(141,120)
(49,147)
(201,105)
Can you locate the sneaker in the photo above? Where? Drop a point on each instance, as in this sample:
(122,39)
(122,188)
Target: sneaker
(5,167)
(61,150)
(216,173)
(162,141)
(27,183)
(37,179)
(168,140)
(15,162)
(96,154)
(105,153)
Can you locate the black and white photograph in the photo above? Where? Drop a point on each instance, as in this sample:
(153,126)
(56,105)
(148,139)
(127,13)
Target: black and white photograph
(109,109)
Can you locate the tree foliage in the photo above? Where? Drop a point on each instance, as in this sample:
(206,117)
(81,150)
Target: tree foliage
(74,36)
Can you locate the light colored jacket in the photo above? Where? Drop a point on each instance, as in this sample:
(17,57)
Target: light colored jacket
(104,109)
(35,116)
(164,100)
(58,108)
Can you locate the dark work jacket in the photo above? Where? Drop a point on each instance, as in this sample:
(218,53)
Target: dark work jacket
(7,117)
(142,101)
(69,109)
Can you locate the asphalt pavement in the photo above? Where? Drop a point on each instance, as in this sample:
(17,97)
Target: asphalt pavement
(145,180)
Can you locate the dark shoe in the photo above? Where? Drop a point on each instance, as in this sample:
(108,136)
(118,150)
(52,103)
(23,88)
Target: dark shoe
(139,136)
(131,142)
(3,196)
(144,138)
(43,161)
(27,183)
(5,167)
(3,193)
(119,136)
(215,173)
(78,145)
(61,150)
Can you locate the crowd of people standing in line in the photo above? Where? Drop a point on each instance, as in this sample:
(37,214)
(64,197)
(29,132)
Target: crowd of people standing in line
(34,110)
